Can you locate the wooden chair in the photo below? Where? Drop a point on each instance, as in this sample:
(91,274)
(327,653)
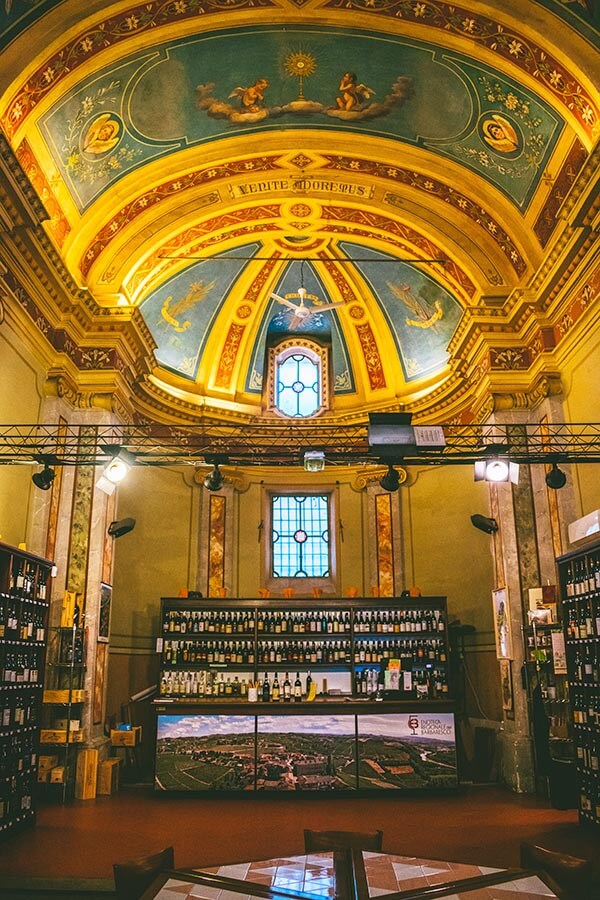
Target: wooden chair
(572,873)
(318,841)
(133,876)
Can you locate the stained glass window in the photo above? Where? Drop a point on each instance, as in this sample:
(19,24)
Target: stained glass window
(300,536)
(298,385)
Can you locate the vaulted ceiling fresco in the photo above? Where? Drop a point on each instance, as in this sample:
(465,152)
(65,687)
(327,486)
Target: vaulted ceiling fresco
(406,163)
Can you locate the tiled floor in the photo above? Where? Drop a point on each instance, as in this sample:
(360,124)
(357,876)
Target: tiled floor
(313,875)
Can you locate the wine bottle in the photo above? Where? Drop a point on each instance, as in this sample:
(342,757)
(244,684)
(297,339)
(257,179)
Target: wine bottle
(266,689)
(297,688)
(287,689)
(275,689)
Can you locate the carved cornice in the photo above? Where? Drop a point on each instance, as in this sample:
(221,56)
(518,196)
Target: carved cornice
(372,476)
(111,398)
(21,205)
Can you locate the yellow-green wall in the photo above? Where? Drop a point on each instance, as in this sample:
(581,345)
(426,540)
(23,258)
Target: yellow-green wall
(581,383)
(20,398)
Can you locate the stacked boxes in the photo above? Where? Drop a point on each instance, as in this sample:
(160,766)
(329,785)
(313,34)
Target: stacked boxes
(45,766)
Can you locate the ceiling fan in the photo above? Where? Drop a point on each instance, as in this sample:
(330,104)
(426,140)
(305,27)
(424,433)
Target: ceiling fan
(301,311)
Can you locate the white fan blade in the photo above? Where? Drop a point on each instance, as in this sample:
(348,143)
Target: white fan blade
(284,301)
(315,309)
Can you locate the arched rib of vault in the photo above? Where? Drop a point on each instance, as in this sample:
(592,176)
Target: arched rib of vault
(109,246)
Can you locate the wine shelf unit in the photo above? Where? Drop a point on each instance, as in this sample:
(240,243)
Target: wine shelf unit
(579,573)
(205,645)
(25,581)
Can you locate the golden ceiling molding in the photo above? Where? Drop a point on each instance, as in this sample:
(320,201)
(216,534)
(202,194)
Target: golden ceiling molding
(20,205)
(112,399)
(372,476)
(493,398)
(502,40)
(127,228)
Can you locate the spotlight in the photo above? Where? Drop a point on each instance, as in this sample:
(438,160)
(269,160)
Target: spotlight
(314,460)
(496,470)
(214,480)
(44,479)
(391,480)
(123,526)
(484,523)
(116,470)
(555,478)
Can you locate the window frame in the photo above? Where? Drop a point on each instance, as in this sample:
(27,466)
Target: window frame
(302,586)
(281,351)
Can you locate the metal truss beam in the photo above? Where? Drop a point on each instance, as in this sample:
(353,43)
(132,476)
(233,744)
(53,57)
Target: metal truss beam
(284,444)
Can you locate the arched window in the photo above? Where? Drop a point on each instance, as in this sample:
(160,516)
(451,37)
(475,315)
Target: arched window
(297,378)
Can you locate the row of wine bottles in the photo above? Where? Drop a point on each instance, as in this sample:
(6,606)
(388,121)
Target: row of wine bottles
(20,622)
(376,651)
(14,804)
(583,576)
(18,752)
(22,667)
(245,621)
(243,652)
(589,797)
(585,665)
(430,683)
(586,708)
(216,685)
(583,619)
(27,579)
(18,709)
(587,747)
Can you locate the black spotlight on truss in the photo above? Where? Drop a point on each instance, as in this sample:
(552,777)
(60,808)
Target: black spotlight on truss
(484,523)
(123,526)
(44,479)
(391,479)
(214,480)
(556,478)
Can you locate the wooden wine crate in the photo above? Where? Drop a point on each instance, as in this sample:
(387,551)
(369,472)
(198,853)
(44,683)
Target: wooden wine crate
(108,776)
(129,738)
(59,736)
(86,774)
(77,696)
(58,775)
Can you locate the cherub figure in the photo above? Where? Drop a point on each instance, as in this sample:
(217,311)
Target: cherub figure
(253,97)
(353,95)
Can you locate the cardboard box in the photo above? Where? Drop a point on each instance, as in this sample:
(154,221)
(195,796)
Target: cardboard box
(108,776)
(59,736)
(130,738)
(58,775)
(86,774)
(77,696)
(62,724)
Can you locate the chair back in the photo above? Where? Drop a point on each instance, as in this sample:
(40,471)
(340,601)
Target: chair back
(318,841)
(133,876)
(572,873)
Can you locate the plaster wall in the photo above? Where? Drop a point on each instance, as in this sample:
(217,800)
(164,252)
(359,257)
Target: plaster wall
(582,404)
(20,401)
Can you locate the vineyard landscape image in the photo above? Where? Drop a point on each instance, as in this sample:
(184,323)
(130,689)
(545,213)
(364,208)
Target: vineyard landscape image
(305,752)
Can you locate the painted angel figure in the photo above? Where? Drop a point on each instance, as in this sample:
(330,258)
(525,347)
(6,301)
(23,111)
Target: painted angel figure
(353,95)
(253,97)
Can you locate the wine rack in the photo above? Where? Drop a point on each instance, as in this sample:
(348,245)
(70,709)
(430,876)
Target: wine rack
(24,601)
(62,711)
(219,649)
(580,593)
